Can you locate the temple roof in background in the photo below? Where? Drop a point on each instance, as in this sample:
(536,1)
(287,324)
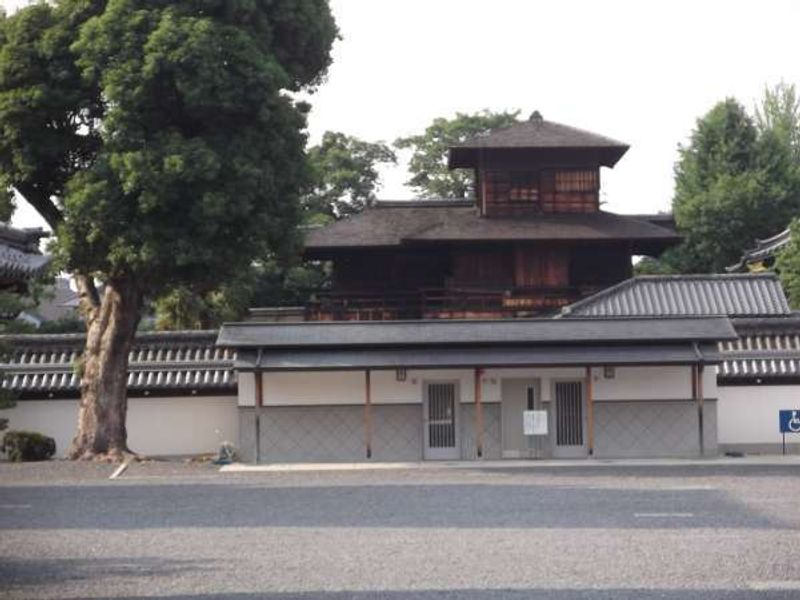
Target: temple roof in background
(767,350)
(537,134)
(20,257)
(404,223)
(733,295)
(763,250)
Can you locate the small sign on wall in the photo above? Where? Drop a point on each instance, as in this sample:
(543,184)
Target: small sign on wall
(789,421)
(534,422)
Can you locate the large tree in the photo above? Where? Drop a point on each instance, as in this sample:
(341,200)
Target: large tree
(430,176)
(738,179)
(343,180)
(344,176)
(158,141)
(788,265)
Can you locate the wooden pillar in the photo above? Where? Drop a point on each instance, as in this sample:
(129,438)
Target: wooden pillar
(589,411)
(698,392)
(259,402)
(478,413)
(368,413)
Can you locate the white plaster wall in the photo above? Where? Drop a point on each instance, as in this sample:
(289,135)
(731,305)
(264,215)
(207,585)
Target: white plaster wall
(492,379)
(387,390)
(308,388)
(156,426)
(54,418)
(749,414)
(314,388)
(181,425)
(651,383)
(629,383)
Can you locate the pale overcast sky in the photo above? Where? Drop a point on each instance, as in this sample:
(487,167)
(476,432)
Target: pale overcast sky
(640,72)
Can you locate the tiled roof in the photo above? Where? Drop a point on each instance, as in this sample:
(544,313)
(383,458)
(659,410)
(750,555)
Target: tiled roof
(20,257)
(763,249)
(537,134)
(471,333)
(767,351)
(734,295)
(164,362)
(391,224)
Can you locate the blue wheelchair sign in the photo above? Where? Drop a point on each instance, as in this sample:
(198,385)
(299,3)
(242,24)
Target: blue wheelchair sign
(790,421)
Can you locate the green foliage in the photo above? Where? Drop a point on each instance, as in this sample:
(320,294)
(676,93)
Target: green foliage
(788,265)
(737,180)
(428,164)
(181,308)
(176,156)
(11,304)
(24,446)
(344,176)
(779,114)
(48,112)
(268,283)
(343,180)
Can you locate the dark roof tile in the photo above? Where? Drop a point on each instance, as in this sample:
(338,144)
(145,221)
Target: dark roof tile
(394,224)
(472,332)
(687,295)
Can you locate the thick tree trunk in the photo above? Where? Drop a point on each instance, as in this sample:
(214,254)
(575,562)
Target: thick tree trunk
(110,326)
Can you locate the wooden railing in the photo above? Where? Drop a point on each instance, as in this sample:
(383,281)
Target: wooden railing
(437,304)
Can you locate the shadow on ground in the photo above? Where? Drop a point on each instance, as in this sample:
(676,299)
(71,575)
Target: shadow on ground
(17,572)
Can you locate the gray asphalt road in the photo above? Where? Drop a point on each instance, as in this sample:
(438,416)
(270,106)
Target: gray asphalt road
(187,532)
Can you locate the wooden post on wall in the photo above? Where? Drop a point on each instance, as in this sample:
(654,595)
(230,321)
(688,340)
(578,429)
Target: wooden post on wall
(368,413)
(698,378)
(589,411)
(259,402)
(478,413)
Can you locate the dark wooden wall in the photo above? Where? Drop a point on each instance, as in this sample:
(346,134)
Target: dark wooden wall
(503,192)
(381,270)
(484,266)
(541,266)
(600,265)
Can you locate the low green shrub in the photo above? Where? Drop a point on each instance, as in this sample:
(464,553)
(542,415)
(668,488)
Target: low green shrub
(24,446)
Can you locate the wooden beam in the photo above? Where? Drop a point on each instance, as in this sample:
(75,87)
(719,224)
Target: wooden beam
(478,412)
(258,376)
(589,411)
(368,413)
(700,401)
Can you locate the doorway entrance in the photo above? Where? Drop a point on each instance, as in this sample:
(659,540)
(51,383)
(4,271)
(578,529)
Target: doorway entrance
(570,420)
(440,421)
(519,396)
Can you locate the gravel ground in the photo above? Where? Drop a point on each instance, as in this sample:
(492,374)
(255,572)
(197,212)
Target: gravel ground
(181,530)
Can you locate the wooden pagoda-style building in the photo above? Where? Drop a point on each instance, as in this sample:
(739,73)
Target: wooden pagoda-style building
(533,240)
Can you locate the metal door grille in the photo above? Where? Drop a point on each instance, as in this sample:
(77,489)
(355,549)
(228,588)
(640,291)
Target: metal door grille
(569,414)
(441,415)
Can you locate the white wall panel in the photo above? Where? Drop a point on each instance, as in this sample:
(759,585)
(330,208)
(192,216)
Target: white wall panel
(310,388)
(749,414)
(156,426)
(181,425)
(54,418)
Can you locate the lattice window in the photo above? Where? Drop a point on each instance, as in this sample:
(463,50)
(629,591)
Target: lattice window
(577,181)
(512,187)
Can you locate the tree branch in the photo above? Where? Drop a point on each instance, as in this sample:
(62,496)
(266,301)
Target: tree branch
(89,296)
(46,208)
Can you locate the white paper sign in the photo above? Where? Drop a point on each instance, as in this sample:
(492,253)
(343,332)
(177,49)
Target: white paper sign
(534,422)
